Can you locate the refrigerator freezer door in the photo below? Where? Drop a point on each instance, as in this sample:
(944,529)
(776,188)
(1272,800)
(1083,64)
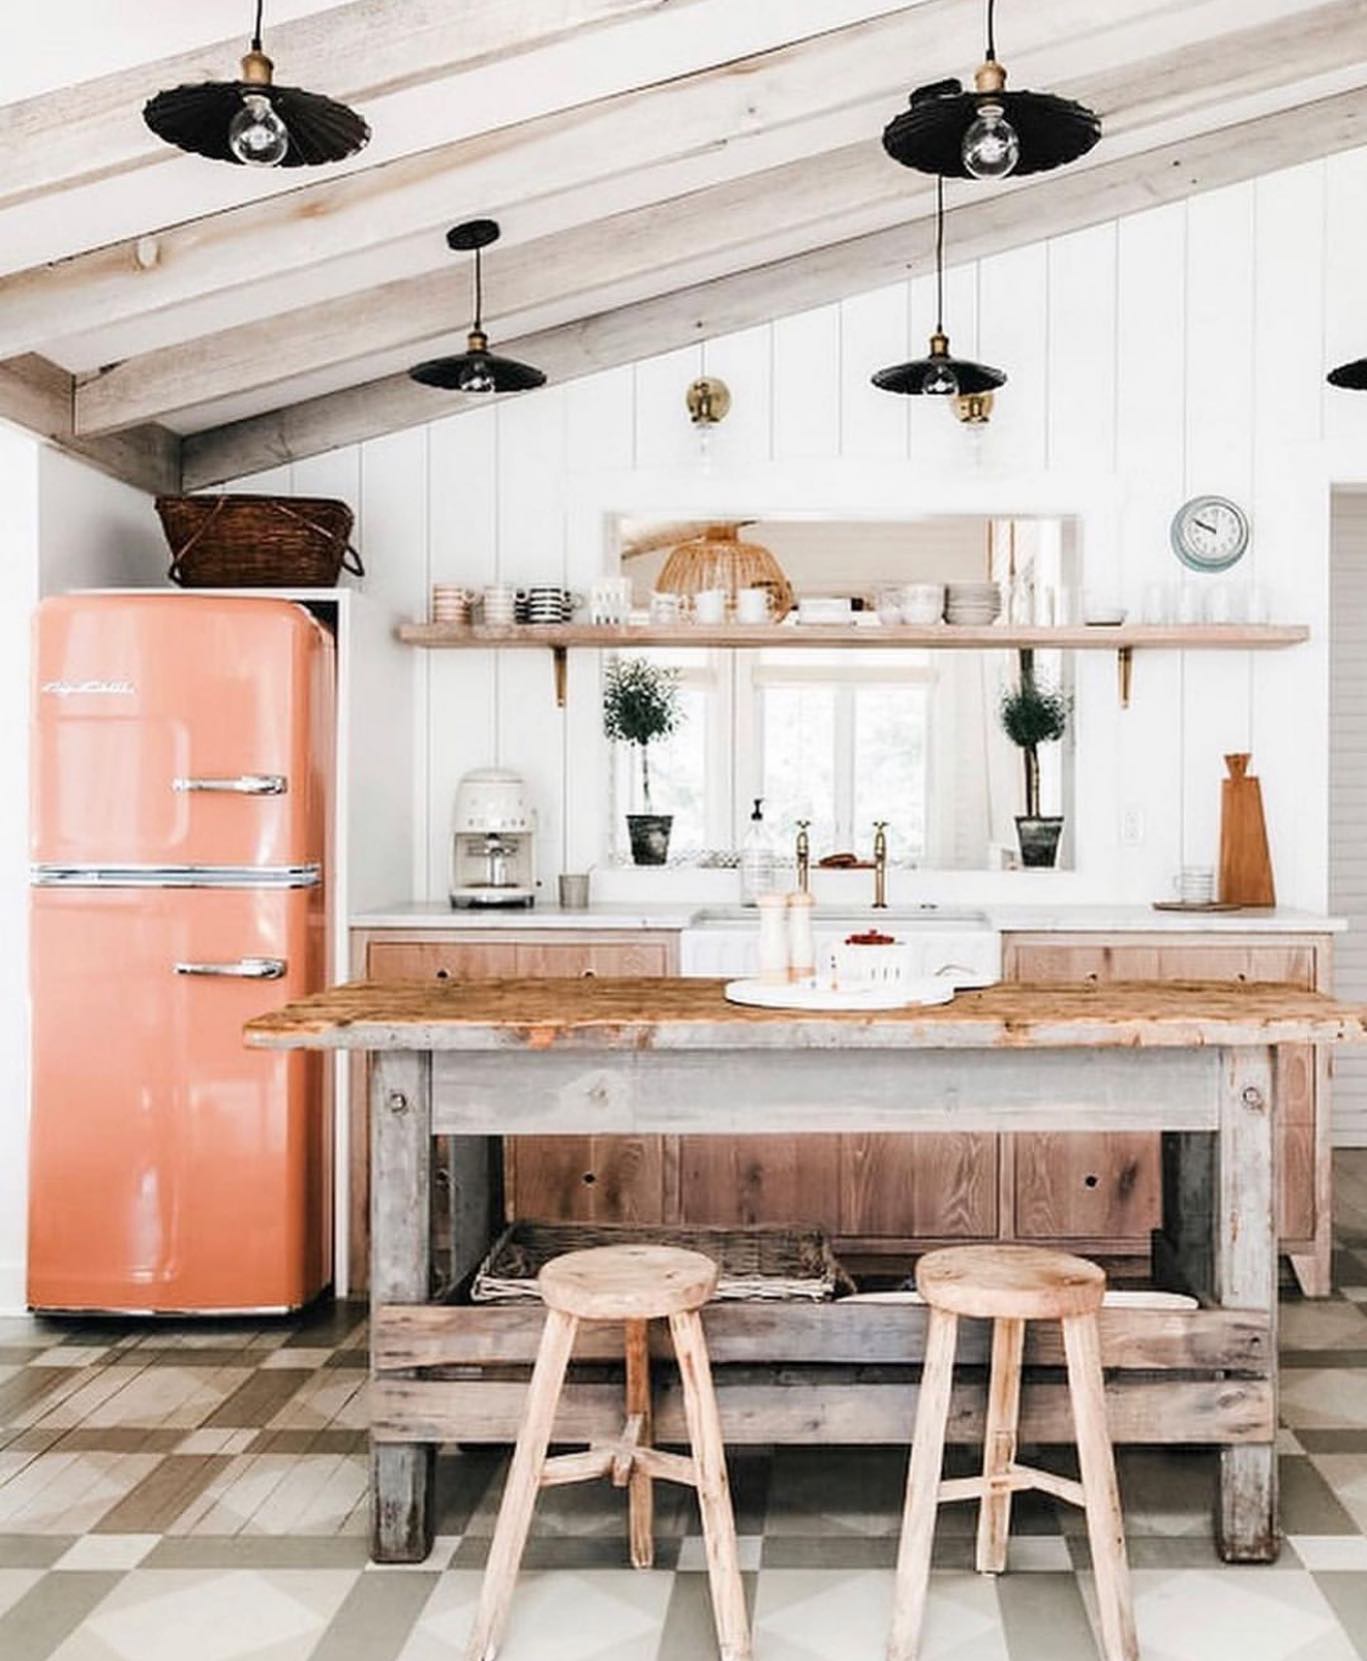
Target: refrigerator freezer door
(180,730)
(172,1168)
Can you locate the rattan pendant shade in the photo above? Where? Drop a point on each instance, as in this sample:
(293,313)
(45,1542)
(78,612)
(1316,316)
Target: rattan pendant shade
(719,559)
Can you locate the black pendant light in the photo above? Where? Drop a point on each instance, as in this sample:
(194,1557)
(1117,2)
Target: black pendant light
(989,132)
(477,369)
(253,121)
(939,375)
(1352,377)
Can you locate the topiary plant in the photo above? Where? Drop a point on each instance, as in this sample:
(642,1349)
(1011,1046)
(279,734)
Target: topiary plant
(1032,714)
(640,705)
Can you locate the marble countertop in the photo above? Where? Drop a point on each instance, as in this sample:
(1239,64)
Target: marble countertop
(1010,919)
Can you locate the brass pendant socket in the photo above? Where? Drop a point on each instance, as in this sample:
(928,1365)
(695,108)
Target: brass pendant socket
(989,76)
(477,341)
(708,400)
(974,409)
(257,69)
(939,345)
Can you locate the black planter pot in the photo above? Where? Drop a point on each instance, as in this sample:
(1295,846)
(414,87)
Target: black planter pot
(649,837)
(1038,840)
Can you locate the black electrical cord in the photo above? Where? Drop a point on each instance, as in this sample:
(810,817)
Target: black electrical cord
(479,294)
(991,32)
(256,33)
(939,253)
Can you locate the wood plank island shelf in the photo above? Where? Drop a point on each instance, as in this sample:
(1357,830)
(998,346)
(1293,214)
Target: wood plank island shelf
(1194,1061)
(1124,639)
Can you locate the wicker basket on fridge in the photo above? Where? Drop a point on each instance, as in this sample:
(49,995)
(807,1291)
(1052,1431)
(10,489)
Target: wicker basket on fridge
(258,541)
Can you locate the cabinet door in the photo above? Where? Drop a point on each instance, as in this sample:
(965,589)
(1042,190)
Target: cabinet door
(926,1187)
(440,960)
(626,961)
(730,1181)
(1088,1185)
(587,1178)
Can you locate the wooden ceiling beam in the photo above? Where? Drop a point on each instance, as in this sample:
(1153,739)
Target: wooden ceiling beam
(40,396)
(336,219)
(754,113)
(361,50)
(637,255)
(1055,204)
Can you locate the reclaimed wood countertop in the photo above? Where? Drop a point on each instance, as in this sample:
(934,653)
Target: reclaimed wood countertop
(687,1014)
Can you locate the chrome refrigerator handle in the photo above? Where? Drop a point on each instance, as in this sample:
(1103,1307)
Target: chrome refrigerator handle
(245,784)
(246,968)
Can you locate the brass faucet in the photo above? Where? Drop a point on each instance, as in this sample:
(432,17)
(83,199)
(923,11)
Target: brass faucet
(880,865)
(804,857)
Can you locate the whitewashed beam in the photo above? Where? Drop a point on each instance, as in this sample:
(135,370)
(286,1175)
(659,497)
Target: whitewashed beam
(1061,202)
(337,218)
(364,49)
(38,395)
(683,241)
(750,114)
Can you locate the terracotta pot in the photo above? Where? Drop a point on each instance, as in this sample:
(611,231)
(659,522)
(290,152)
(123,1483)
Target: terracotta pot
(649,837)
(1038,840)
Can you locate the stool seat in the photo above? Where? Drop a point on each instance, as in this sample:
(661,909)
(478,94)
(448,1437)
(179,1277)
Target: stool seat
(626,1283)
(1023,1283)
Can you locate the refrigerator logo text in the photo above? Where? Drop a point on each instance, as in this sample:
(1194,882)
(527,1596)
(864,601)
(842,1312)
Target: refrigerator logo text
(90,689)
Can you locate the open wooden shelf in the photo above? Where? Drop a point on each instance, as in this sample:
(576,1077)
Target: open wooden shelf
(940,636)
(1123,639)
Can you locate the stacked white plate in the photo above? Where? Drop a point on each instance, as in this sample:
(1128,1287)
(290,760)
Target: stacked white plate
(974,604)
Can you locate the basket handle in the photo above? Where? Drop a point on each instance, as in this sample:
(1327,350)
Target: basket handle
(351,559)
(176,571)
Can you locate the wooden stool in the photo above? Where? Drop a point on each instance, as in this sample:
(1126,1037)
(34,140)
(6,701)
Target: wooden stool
(631,1284)
(1010,1285)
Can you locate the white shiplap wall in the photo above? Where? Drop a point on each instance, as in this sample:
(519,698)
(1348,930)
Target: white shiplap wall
(1177,350)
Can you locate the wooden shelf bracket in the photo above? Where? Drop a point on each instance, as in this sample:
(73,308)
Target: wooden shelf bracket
(1124,659)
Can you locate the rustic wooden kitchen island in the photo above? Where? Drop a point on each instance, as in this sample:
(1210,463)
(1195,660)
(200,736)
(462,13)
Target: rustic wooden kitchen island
(572,1057)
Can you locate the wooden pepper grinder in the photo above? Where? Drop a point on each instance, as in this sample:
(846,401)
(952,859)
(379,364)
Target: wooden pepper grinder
(1245,864)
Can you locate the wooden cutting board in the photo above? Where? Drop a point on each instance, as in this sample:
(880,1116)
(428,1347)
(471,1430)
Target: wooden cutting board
(1245,863)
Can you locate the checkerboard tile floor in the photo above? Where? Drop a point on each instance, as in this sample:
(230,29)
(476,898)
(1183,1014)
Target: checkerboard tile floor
(173,1491)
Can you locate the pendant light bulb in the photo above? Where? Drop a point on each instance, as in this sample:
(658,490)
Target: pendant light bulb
(992,147)
(256,134)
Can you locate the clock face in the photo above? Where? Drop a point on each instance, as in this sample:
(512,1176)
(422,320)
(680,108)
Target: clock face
(1210,533)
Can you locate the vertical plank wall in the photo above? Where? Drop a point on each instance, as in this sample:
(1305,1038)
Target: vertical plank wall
(1168,352)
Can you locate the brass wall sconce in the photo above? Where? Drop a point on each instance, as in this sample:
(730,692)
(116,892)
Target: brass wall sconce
(708,400)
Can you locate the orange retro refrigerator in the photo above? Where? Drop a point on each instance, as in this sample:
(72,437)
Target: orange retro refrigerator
(181,782)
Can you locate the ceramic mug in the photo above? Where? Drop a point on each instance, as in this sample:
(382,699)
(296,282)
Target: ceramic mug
(665,607)
(752,605)
(709,607)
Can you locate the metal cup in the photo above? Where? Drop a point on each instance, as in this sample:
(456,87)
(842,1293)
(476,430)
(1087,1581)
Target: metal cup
(574,891)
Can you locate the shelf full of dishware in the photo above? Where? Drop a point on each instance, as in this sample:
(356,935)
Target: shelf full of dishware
(920,616)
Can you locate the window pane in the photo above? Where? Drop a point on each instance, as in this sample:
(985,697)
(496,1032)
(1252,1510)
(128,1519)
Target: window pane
(890,766)
(798,737)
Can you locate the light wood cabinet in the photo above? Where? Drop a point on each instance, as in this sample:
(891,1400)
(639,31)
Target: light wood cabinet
(1088,1187)
(882,1194)
(579,1178)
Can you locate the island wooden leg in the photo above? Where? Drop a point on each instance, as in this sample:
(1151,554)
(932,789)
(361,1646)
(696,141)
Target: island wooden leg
(400,1272)
(1245,1273)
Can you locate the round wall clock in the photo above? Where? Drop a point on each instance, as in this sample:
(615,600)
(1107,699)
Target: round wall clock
(1210,533)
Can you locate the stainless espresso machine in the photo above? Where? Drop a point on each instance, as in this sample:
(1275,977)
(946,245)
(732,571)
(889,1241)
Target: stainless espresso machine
(493,852)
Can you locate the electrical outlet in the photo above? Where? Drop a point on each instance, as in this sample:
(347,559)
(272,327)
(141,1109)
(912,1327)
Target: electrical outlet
(1132,827)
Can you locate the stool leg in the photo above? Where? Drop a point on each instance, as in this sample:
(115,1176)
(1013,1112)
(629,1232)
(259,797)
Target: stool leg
(999,1443)
(640,1488)
(1105,1522)
(714,1493)
(520,1491)
(923,1483)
